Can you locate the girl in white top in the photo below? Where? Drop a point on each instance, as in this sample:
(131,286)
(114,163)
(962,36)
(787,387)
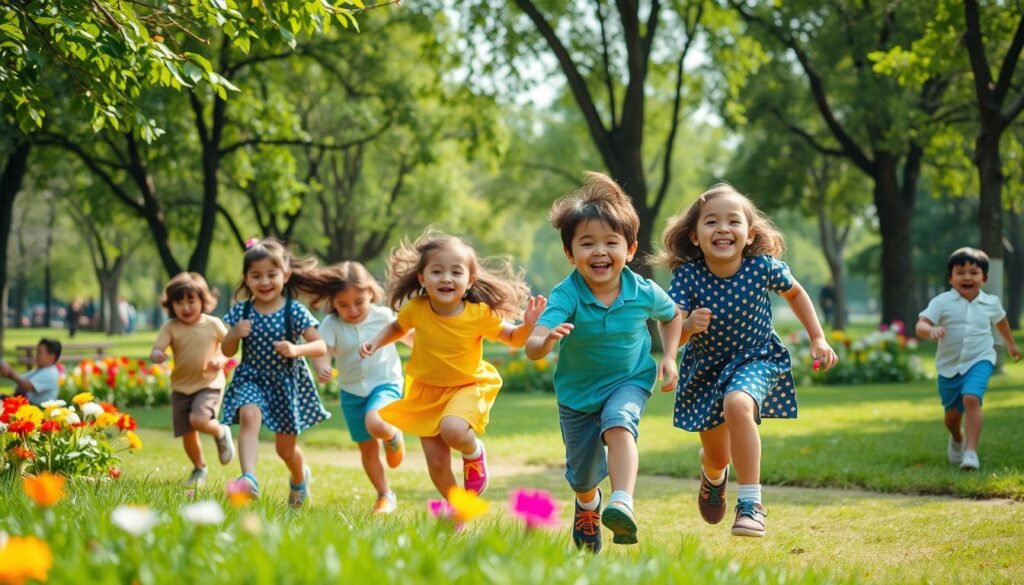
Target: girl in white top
(354,318)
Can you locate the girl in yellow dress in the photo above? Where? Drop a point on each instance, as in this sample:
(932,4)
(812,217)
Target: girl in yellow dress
(453,302)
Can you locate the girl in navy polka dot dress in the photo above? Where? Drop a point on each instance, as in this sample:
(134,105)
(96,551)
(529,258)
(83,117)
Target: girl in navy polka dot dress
(273,385)
(735,370)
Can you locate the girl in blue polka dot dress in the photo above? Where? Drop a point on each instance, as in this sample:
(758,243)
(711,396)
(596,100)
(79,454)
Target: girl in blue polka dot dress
(735,370)
(273,385)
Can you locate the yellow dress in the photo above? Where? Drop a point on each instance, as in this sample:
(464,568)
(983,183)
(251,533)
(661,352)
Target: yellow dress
(448,376)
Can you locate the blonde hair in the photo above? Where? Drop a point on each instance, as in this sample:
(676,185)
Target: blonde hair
(304,273)
(338,278)
(598,198)
(498,284)
(678,247)
(184,285)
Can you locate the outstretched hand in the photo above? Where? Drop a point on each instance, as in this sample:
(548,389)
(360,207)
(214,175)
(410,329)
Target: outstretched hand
(698,321)
(157,356)
(559,331)
(323,375)
(286,349)
(534,309)
(669,372)
(366,350)
(823,355)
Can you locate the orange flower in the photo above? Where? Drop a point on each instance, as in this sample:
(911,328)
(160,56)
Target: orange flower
(45,489)
(23,453)
(127,423)
(23,558)
(109,408)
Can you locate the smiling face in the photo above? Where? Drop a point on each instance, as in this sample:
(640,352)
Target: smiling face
(723,230)
(967,279)
(353,304)
(265,280)
(188,309)
(599,253)
(446,276)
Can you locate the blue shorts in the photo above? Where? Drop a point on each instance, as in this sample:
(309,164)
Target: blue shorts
(974,382)
(354,408)
(586,457)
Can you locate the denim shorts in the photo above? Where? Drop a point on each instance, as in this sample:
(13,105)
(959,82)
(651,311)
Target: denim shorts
(586,456)
(974,382)
(354,408)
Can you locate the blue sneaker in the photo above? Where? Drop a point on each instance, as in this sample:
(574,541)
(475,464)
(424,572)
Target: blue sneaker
(298,495)
(586,527)
(618,518)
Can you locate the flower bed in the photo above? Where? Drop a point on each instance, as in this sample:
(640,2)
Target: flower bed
(79,439)
(883,356)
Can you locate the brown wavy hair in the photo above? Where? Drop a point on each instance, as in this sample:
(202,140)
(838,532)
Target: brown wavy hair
(599,198)
(338,278)
(188,284)
(678,247)
(499,284)
(305,276)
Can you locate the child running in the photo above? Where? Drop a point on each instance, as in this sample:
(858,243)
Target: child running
(197,379)
(454,302)
(272,385)
(735,370)
(961,319)
(354,317)
(604,374)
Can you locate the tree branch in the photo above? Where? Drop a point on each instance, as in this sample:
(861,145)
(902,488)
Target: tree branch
(232,225)
(256,141)
(606,58)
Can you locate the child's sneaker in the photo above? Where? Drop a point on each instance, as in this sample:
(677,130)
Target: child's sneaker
(586,526)
(385,504)
(246,484)
(618,518)
(955,451)
(196,479)
(474,472)
(711,498)
(749,519)
(970,461)
(225,446)
(394,450)
(298,495)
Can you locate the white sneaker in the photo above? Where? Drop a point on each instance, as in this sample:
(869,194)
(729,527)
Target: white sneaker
(955,451)
(970,461)
(225,446)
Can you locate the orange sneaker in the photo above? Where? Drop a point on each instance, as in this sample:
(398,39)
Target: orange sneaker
(385,504)
(394,450)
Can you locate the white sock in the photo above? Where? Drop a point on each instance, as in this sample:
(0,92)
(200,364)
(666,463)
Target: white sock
(750,492)
(622,497)
(592,504)
(715,481)
(475,454)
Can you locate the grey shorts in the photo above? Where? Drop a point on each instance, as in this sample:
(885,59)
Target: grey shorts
(204,403)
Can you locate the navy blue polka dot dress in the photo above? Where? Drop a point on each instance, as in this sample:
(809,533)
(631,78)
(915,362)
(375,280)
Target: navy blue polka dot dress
(282,388)
(740,350)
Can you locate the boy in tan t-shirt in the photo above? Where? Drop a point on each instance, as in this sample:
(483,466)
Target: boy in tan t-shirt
(197,380)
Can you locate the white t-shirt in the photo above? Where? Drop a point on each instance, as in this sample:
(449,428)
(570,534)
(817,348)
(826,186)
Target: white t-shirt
(45,384)
(968,324)
(356,375)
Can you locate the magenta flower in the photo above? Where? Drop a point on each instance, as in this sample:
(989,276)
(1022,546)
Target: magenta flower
(440,508)
(537,508)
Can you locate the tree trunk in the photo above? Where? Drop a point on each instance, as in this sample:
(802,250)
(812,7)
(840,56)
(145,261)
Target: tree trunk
(10,183)
(47,275)
(894,215)
(1014,269)
(832,245)
(110,283)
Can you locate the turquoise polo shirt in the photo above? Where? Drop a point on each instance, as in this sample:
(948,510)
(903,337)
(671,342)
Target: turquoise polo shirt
(609,346)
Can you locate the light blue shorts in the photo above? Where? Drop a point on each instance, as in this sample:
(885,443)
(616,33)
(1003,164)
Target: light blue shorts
(354,408)
(586,457)
(974,382)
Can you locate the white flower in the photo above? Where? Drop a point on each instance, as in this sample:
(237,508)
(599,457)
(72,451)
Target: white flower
(72,419)
(3,429)
(87,441)
(135,520)
(91,409)
(203,513)
(53,403)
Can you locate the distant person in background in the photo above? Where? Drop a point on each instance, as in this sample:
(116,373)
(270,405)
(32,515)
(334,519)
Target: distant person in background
(827,300)
(74,315)
(41,384)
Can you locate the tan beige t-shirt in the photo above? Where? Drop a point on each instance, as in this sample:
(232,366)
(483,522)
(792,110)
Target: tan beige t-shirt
(193,347)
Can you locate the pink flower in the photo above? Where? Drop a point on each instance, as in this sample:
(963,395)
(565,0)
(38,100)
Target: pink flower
(537,508)
(251,242)
(883,327)
(898,326)
(440,508)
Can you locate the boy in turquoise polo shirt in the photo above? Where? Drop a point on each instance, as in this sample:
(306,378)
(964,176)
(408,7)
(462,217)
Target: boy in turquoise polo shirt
(604,374)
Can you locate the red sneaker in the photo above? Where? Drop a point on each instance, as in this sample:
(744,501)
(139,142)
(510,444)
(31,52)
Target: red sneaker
(474,472)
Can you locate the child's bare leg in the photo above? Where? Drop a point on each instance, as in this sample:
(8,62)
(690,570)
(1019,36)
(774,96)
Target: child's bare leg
(377,428)
(972,421)
(623,461)
(193,449)
(290,453)
(439,463)
(370,453)
(744,440)
(715,452)
(249,437)
(458,435)
(208,426)
(953,420)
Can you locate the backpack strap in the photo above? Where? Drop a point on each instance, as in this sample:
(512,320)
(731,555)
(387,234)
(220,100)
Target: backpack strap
(288,335)
(246,315)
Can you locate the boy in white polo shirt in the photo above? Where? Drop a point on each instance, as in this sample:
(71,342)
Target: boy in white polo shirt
(961,320)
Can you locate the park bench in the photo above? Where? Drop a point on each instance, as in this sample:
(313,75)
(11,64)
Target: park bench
(70,352)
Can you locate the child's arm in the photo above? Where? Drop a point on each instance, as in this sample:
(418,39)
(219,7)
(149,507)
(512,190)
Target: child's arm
(158,354)
(670,332)
(322,366)
(693,323)
(391,333)
(314,346)
(1003,327)
(218,361)
(517,335)
(925,329)
(803,308)
(543,340)
(238,332)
